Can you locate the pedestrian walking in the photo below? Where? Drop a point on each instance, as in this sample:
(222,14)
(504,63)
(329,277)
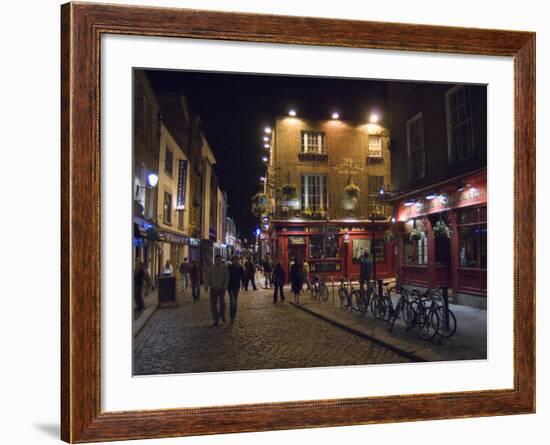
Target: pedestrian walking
(306,274)
(195,277)
(296,279)
(278,280)
(217,280)
(249,271)
(268,270)
(139,279)
(184,270)
(365,270)
(236,273)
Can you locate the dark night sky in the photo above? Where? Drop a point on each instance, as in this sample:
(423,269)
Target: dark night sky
(235,108)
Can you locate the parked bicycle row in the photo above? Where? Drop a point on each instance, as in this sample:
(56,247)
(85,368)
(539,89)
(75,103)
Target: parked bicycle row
(425,312)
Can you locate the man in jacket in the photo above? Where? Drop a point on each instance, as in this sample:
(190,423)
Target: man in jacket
(236,274)
(365,271)
(217,280)
(278,280)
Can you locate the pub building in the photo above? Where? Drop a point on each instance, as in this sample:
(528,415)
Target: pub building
(322,182)
(441,237)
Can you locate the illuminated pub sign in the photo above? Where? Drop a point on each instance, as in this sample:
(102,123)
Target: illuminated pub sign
(474,192)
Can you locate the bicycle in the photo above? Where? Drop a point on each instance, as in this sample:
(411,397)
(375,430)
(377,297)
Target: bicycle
(361,298)
(402,309)
(319,289)
(344,294)
(446,323)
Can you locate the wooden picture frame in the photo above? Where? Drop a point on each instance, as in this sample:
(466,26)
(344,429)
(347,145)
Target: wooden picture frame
(82,26)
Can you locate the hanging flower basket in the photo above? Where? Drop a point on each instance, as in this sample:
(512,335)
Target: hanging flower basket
(307,212)
(417,234)
(352,191)
(389,236)
(288,191)
(442,230)
(260,205)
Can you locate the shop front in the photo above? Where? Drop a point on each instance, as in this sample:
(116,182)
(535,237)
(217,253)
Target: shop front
(442,238)
(332,249)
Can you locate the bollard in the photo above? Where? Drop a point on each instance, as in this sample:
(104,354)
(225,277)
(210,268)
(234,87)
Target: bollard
(445,295)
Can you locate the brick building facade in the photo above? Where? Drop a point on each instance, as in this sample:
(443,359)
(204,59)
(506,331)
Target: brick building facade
(313,216)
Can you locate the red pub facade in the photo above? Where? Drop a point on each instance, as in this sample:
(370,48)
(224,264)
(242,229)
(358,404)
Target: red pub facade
(441,237)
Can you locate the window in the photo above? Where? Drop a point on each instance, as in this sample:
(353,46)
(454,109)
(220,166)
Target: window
(415,251)
(416,148)
(167,208)
(314,193)
(323,246)
(180,219)
(375,184)
(472,238)
(313,142)
(375,146)
(459,124)
(169,161)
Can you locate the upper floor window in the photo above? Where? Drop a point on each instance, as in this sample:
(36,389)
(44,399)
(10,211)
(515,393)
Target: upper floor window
(169,161)
(375,146)
(313,142)
(415,147)
(314,192)
(375,184)
(460,136)
(167,208)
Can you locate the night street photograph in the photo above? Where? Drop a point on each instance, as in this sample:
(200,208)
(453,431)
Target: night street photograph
(287,221)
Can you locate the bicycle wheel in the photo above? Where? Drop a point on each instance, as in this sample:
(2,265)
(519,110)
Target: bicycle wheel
(426,328)
(343,294)
(378,307)
(313,290)
(323,292)
(443,331)
(357,301)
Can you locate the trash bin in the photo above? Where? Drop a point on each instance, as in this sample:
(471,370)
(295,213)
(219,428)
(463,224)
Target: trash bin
(167,289)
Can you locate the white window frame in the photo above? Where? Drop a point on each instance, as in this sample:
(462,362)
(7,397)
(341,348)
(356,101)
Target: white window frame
(451,126)
(375,151)
(413,172)
(319,146)
(305,198)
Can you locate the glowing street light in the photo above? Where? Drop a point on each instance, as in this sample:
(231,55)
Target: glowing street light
(267,130)
(266,139)
(264,159)
(292,113)
(374,118)
(262,178)
(153,179)
(266,145)
(335,115)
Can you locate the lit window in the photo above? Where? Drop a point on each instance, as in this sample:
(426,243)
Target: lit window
(375,146)
(313,142)
(459,124)
(314,193)
(375,184)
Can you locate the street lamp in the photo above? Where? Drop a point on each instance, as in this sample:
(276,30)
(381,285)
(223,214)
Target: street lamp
(267,130)
(335,115)
(292,113)
(153,179)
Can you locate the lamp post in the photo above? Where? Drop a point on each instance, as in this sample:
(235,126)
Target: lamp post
(373,247)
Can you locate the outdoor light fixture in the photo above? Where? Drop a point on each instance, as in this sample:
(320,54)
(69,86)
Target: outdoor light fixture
(431,195)
(409,202)
(153,179)
(266,145)
(393,219)
(374,118)
(462,186)
(381,191)
(335,116)
(262,178)
(267,130)
(292,113)
(266,139)
(264,159)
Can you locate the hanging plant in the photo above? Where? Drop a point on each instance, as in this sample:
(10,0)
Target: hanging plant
(307,211)
(260,205)
(351,190)
(289,191)
(389,236)
(417,234)
(442,230)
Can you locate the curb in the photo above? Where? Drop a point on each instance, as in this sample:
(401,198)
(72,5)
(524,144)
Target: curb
(410,356)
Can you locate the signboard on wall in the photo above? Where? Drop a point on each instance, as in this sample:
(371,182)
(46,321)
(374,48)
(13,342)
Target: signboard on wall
(182,185)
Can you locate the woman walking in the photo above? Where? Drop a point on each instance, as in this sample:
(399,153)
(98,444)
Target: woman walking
(296,279)
(278,280)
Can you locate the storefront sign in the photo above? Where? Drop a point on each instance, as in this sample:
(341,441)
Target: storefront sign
(173,238)
(296,240)
(182,185)
(476,194)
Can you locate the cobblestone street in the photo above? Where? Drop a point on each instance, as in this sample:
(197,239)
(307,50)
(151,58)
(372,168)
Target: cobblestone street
(181,339)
